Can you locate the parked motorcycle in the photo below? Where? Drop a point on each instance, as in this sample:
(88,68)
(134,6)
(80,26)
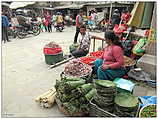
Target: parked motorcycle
(12,32)
(22,31)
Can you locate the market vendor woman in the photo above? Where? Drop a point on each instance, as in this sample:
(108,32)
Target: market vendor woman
(110,65)
(84,42)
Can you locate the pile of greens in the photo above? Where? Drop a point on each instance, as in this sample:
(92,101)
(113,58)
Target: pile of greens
(75,94)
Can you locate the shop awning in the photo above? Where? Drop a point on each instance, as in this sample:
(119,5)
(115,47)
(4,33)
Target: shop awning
(72,6)
(15,5)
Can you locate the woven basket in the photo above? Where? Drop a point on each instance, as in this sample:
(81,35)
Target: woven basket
(95,111)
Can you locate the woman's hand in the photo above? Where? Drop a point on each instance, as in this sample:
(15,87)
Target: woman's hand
(104,67)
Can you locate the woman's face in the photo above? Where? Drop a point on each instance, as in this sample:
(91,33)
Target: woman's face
(108,41)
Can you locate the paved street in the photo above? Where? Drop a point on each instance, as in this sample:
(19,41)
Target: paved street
(25,75)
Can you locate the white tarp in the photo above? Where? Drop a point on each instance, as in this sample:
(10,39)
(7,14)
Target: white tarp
(15,5)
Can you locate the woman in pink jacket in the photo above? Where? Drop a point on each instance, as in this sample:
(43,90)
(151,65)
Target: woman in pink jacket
(110,65)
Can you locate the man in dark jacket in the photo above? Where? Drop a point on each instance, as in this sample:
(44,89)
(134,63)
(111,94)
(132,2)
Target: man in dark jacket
(116,17)
(5,25)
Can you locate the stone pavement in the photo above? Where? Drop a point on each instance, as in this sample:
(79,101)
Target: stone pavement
(25,75)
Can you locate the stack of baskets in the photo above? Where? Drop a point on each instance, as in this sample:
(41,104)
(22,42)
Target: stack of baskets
(104,97)
(102,104)
(126,105)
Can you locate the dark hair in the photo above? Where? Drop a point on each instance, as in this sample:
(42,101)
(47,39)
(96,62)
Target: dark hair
(111,36)
(83,26)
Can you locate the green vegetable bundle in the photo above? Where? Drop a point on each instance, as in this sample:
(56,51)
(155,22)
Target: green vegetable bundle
(75,94)
(84,89)
(69,85)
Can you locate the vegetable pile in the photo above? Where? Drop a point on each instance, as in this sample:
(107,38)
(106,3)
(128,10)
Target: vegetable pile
(148,111)
(76,68)
(96,54)
(52,48)
(74,94)
(87,60)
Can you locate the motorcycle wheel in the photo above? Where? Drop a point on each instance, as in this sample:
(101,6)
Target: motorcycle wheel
(21,34)
(36,30)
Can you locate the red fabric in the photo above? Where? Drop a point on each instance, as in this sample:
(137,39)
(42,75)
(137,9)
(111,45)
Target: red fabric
(51,51)
(118,29)
(46,23)
(126,17)
(77,23)
(113,56)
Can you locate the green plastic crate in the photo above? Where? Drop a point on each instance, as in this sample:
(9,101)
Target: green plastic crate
(54,58)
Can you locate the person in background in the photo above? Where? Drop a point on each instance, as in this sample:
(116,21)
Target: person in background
(79,22)
(54,17)
(39,21)
(14,21)
(48,22)
(84,42)
(5,25)
(116,17)
(59,18)
(110,65)
(94,16)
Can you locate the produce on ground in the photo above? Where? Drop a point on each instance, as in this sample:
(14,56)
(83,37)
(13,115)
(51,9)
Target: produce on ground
(76,68)
(46,100)
(96,54)
(87,60)
(74,95)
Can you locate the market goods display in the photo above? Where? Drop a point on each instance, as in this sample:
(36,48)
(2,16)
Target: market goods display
(74,94)
(104,97)
(52,48)
(96,54)
(126,105)
(75,68)
(128,61)
(73,47)
(87,60)
(46,100)
(148,111)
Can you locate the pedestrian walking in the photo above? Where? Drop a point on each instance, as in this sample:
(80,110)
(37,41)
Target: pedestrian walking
(48,19)
(79,22)
(5,26)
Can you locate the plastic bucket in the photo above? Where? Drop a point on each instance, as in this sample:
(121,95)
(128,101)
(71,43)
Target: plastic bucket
(53,58)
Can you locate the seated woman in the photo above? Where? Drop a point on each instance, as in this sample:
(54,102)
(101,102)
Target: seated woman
(110,65)
(84,42)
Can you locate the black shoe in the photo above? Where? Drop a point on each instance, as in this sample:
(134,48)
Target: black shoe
(9,41)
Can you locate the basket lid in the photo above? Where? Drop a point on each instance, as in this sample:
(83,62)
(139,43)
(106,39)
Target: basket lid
(126,100)
(105,83)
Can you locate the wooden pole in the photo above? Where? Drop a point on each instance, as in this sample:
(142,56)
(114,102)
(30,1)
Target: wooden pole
(110,12)
(94,45)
